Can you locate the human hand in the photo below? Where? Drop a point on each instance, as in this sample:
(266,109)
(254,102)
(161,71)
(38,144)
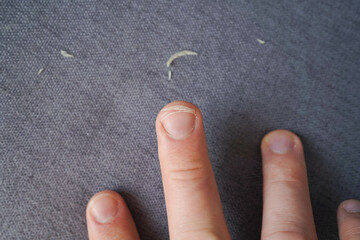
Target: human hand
(192,199)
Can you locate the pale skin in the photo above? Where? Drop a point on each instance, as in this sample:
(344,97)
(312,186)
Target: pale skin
(192,199)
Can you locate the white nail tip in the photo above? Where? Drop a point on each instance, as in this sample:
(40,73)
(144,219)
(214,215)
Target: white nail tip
(177,109)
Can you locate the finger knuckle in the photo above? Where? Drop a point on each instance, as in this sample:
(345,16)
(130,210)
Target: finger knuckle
(285,234)
(283,228)
(188,172)
(200,235)
(279,171)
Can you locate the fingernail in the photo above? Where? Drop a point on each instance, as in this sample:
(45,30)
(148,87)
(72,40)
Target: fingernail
(179,122)
(104,208)
(281,142)
(351,206)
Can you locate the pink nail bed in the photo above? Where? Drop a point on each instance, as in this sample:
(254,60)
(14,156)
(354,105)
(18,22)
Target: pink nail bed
(281,143)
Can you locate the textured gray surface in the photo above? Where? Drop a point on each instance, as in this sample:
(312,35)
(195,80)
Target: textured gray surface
(87,123)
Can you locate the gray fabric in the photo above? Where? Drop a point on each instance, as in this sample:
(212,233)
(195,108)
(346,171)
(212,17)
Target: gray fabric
(86,123)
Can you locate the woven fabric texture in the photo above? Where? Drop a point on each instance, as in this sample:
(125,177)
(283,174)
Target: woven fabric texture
(86,124)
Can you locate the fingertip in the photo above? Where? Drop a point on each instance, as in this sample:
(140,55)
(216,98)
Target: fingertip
(178,120)
(348,214)
(108,217)
(104,206)
(107,192)
(173,104)
(280,141)
(349,206)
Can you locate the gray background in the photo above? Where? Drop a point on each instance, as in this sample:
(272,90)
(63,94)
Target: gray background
(87,123)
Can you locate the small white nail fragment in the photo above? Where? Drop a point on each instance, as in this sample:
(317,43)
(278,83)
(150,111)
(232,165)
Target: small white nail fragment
(179,54)
(260,41)
(40,71)
(66,54)
(176,109)
(169,74)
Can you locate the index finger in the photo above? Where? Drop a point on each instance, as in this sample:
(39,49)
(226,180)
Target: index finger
(192,199)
